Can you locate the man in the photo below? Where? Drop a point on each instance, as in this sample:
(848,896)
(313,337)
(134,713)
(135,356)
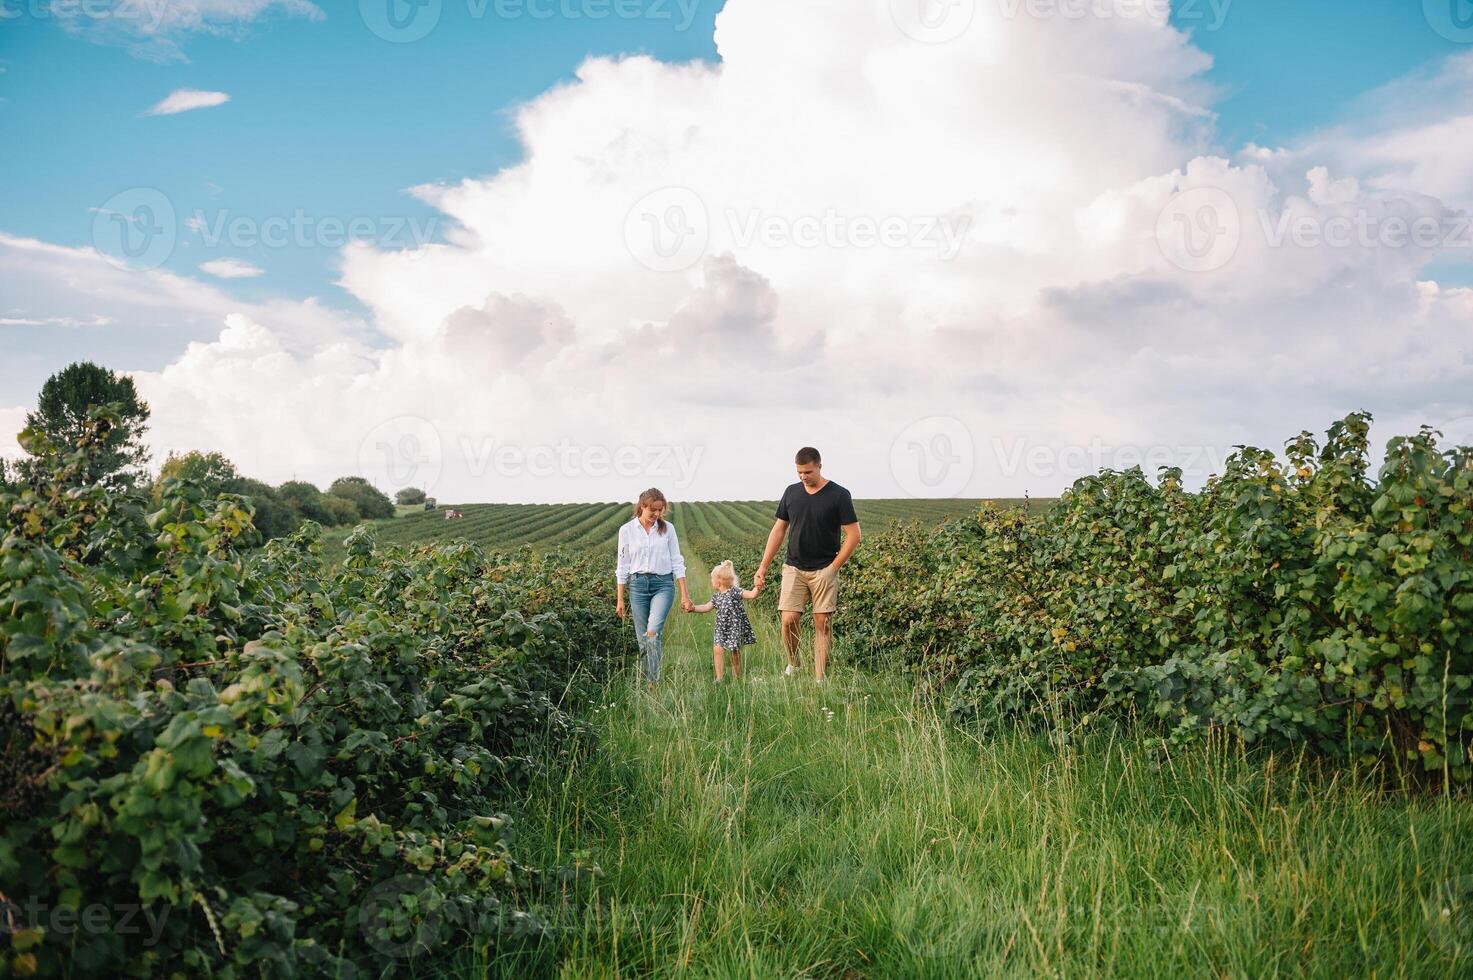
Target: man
(816,510)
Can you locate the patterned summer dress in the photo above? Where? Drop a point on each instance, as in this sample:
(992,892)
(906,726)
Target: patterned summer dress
(733,629)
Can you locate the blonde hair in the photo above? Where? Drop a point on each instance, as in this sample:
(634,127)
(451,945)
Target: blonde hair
(724,570)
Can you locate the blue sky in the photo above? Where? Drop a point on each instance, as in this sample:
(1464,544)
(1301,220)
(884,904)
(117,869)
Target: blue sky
(1058,150)
(323,116)
(1289,66)
(328,118)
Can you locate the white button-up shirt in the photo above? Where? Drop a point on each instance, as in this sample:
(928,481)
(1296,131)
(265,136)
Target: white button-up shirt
(648,551)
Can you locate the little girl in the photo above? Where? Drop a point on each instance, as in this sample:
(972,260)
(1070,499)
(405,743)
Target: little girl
(733,629)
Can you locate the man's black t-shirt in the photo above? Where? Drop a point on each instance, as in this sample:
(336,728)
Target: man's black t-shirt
(813,523)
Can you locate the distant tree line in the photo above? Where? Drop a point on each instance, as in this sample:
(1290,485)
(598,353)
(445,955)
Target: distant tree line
(61,414)
(281,509)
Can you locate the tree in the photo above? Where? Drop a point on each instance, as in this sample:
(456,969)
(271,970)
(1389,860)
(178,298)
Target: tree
(61,414)
(210,470)
(9,476)
(409,496)
(372,503)
(305,501)
(273,519)
(343,510)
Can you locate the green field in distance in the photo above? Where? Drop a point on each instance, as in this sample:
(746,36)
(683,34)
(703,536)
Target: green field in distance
(580,527)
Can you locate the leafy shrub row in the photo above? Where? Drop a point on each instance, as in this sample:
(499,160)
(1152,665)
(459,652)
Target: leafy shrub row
(271,759)
(1294,601)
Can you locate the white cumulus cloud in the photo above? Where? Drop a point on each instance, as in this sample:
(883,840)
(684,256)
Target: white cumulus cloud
(185,99)
(231,269)
(1020,253)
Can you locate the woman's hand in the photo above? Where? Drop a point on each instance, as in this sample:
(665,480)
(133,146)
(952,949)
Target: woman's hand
(686,605)
(619,608)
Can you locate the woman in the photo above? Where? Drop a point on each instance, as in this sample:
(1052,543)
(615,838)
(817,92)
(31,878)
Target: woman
(651,565)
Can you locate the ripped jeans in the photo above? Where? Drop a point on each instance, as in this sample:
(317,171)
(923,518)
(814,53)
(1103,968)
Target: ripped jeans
(650,599)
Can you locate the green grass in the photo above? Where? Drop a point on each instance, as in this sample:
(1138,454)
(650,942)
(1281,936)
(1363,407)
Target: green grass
(775,828)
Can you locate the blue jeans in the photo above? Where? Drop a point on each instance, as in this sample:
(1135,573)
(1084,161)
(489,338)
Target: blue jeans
(650,599)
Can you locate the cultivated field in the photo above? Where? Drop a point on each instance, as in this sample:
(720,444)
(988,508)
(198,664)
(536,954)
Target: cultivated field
(578,527)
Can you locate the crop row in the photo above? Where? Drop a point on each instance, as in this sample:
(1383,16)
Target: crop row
(290,769)
(581,528)
(1290,603)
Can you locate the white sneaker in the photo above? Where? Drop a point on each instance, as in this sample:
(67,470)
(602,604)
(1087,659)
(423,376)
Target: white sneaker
(790,671)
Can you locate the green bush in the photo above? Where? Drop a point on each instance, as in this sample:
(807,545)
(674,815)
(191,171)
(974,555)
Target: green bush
(1295,602)
(342,510)
(276,761)
(372,503)
(272,518)
(305,502)
(211,472)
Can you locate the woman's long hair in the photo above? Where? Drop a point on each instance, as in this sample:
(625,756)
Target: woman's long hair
(650,496)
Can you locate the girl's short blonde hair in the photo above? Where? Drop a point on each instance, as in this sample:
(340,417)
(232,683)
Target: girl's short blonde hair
(722,571)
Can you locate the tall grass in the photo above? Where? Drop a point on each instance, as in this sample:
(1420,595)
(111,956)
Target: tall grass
(775,828)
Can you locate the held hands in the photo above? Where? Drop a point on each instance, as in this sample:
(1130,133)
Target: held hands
(759,578)
(686,605)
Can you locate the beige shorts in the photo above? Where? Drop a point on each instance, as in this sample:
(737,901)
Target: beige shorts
(800,587)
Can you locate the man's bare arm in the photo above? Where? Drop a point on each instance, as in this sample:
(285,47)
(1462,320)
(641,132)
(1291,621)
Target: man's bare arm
(851,541)
(774,541)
